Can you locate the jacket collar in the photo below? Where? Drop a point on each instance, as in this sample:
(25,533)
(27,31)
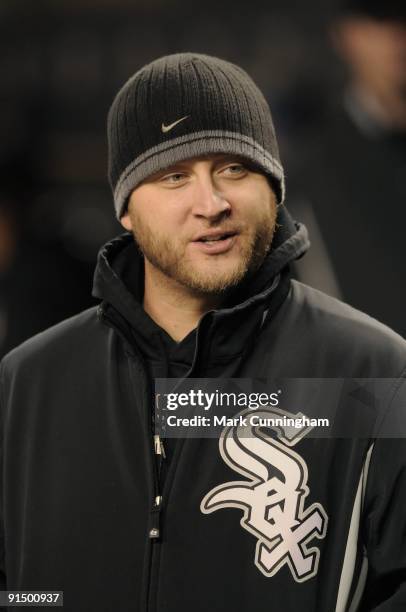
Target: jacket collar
(227,331)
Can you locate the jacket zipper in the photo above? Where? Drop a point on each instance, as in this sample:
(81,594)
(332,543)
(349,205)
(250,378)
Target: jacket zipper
(155,531)
(155,527)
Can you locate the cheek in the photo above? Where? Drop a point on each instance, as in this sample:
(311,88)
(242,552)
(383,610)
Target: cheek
(254,201)
(149,216)
(259,210)
(171,220)
(169,209)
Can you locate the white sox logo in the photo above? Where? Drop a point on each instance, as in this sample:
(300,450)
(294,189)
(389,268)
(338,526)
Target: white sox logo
(273,499)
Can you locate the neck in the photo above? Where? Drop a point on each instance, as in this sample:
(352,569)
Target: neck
(172,306)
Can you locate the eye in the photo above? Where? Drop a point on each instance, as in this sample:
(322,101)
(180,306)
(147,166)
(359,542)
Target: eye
(235,170)
(173,178)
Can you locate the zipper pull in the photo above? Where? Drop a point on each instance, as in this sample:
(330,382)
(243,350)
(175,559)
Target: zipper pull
(154,526)
(159,446)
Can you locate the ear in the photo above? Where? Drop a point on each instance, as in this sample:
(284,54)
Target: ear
(126,221)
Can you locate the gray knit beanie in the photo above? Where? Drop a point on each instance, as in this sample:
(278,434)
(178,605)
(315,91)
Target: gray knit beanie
(182,106)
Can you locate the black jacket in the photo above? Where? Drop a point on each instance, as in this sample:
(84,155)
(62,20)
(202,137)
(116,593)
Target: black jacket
(80,475)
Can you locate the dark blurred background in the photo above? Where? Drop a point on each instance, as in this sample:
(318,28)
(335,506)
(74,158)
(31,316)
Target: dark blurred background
(62,63)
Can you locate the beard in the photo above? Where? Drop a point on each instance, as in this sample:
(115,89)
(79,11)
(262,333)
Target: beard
(215,274)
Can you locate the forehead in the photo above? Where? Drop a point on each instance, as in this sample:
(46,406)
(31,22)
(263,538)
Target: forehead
(211,158)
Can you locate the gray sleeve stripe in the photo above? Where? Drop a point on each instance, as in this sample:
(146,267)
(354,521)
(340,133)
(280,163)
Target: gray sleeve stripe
(347,571)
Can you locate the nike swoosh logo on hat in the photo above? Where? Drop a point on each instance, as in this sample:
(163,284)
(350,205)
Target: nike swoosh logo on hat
(167,128)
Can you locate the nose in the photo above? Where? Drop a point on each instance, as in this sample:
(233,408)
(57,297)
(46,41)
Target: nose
(208,200)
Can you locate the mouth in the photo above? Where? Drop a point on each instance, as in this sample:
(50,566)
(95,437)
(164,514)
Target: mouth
(214,236)
(215,243)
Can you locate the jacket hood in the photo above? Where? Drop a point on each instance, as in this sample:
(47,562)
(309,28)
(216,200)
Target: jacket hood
(119,271)
(119,283)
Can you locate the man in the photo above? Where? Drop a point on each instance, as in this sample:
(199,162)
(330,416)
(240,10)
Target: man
(360,153)
(94,502)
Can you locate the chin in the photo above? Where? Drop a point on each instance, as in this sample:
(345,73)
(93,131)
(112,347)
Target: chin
(212,283)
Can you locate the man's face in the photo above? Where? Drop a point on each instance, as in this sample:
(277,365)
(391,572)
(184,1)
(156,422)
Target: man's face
(205,222)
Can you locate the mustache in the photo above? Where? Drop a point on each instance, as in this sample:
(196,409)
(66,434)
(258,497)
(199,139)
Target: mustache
(221,228)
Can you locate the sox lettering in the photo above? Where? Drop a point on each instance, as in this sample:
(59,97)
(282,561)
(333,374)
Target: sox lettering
(272,500)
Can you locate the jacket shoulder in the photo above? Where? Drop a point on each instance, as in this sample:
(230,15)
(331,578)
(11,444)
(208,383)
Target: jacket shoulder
(346,331)
(66,340)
